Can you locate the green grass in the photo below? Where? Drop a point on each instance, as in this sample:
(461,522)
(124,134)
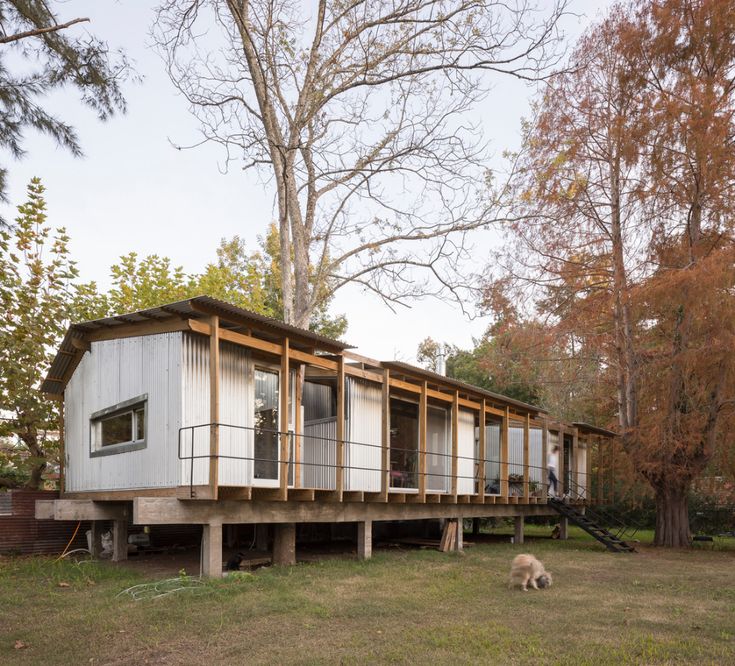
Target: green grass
(404,607)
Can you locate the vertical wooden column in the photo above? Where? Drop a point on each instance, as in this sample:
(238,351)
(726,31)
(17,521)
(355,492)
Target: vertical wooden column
(62,447)
(340,481)
(455,442)
(518,529)
(504,455)
(482,453)
(95,537)
(544,457)
(574,463)
(385,437)
(588,477)
(423,426)
(560,464)
(611,495)
(120,540)
(527,459)
(365,539)
(284,454)
(298,426)
(214,407)
(600,471)
(284,544)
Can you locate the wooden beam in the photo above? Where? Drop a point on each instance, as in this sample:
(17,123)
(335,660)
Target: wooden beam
(544,458)
(340,470)
(573,462)
(284,421)
(526,458)
(298,427)
(482,444)
(363,374)
(455,443)
(214,405)
(400,384)
(80,344)
(423,425)
(136,330)
(312,359)
(504,454)
(385,437)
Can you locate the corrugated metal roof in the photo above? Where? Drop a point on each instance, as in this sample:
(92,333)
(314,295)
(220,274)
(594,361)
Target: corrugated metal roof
(441,379)
(68,356)
(594,429)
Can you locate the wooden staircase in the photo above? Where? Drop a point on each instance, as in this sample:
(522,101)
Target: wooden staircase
(612,542)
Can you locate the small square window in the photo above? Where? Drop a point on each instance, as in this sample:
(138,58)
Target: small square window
(119,428)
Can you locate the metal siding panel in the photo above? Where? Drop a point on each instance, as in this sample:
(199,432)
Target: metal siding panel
(195,409)
(492,457)
(466,453)
(114,371)
(438,449)
(235,410)
(582,470)
(363,432)
(515,451)
(319,454)
(317,401)
(536,455)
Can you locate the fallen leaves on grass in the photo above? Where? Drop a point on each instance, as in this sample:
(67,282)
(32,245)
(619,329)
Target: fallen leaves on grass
(20,645)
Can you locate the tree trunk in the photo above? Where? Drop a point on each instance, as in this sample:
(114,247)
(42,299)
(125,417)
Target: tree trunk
(672,517)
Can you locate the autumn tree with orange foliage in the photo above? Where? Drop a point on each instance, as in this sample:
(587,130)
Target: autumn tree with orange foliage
(628,169)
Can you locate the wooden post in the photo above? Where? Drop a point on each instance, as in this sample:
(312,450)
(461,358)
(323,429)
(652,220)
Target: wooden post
(298,427)
(95,538)
(518,532)
(365,539)
(563,528)
(573,491)
(560,462)
(455,442)
(385,437)
(340,481)
(459,544)
(62,448)
(214,406)
(120,540)
(600,471)
(526,459)
(588,477)
(544,456)
(212,550)
(611,496)
(423,423)
(504,455)
(284,544)
(283,425)
(482,445)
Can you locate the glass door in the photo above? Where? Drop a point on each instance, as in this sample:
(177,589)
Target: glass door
(266,439)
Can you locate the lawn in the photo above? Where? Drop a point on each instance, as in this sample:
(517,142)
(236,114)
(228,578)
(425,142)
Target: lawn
(403,606)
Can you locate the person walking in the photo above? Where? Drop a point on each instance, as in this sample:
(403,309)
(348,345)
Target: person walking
(552,465)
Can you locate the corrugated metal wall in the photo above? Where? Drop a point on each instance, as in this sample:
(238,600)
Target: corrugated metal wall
(319,454)
(466,453)
(492,457)
(362,430)
(115,371)
(536,454)
(317,401)
(236,409)
(581,455)
(515,451)
(439,449)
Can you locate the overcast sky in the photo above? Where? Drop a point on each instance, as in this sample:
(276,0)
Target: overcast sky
(133,191)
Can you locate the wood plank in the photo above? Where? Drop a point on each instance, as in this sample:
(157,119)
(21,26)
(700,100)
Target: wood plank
(138,330)
(301,494)
(455,443)
(363,374)
(482,445)
(234,493)
(283,425)
(423,427)
(527,458)
(353,496)
(214,382)
(385,436)
(504,454)
(312,359)
(340,428)
(405,386)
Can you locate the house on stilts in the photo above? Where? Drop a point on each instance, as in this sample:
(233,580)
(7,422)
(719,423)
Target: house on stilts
(200,412)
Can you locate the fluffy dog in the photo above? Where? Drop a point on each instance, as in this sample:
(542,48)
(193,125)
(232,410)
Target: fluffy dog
(525,570)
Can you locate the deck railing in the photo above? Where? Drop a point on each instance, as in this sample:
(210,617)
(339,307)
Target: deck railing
(407,482)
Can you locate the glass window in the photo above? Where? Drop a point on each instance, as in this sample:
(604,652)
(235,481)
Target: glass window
(266,424)
(116,429)
(119,428)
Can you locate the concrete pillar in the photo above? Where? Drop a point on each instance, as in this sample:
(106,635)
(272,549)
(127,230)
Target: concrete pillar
(212,550)
(519,524)
(120,540)
(96,539)
(261,536)
(284,544)
(459,546)
(563,528)
(365,540)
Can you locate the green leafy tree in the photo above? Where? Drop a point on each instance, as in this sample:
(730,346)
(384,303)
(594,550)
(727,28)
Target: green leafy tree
(37,44)
(36,273)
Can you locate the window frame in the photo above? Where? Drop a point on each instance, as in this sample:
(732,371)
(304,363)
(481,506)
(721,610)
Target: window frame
(97,449)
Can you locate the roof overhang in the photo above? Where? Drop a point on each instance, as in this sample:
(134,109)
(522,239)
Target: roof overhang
(586,428)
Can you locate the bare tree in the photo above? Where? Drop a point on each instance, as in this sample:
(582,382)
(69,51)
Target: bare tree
(358,112)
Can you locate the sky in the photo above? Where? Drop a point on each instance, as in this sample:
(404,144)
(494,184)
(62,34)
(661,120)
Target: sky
(134,191)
